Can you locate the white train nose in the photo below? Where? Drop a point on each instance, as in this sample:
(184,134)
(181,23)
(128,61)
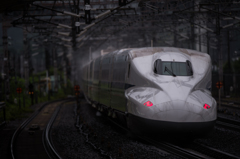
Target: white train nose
(172,116)
(156,105)
(174,111)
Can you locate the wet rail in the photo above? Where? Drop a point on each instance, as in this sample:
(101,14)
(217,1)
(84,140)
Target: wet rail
(228,123)
(46,137)
(212,152)
(3,113)
(31,139)
(230,104)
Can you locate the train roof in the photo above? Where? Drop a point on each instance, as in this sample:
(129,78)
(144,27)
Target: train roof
(145,51)
(139,52)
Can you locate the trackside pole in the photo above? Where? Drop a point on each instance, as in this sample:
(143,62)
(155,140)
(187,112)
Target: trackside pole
(219,86)
(219,96)
(19,100)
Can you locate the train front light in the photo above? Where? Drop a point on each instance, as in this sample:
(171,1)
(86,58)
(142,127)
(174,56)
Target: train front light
(148,104)
(206,106)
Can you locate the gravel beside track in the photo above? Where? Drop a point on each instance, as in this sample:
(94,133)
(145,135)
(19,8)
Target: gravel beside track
(66,138)
(96,137)
(223,140)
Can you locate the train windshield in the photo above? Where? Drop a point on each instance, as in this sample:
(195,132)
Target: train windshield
(173,68)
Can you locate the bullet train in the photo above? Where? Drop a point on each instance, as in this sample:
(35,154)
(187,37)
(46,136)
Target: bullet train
(153,89)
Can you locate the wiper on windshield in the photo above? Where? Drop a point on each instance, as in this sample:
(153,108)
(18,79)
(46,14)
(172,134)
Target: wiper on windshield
(169,71)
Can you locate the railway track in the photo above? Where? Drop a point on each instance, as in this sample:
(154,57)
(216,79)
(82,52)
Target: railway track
(223,121)
(47,142)
(230,104)
(211,152)
(193,150)
(32,138)
(228,123)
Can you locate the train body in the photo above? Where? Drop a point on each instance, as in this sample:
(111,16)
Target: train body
(157,89)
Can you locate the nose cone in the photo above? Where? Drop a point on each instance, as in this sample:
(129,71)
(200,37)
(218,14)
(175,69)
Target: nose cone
(182,111)
(157,105)
(175,88)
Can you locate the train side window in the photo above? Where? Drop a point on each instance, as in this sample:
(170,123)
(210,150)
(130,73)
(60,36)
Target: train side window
(105,69)
(120,58)
(105,61)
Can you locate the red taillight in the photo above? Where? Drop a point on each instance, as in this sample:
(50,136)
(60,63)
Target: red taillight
(148,104)
(206,106)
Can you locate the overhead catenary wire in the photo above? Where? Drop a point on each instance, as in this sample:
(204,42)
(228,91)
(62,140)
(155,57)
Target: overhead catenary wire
(58,11)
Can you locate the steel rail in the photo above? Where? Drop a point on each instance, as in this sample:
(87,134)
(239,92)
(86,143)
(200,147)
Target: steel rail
(181,152)
(229,101)
(214,152)
(46,137)
(230,106)
(168,147)
(24,124)
(48,146)
(228,123)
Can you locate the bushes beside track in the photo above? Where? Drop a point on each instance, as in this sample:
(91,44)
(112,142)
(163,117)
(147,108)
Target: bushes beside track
(14,111)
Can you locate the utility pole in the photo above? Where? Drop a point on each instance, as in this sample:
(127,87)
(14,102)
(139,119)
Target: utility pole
(65,67)
(5,26)
(26,60)
(55,68)
(220,58)
(75,30)
(229,56)
(199,32)
(192,28)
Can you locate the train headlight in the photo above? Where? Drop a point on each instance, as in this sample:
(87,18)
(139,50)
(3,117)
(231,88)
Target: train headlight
(206,106)
(148,104)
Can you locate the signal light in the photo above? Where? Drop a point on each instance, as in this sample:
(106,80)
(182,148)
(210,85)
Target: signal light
(206,106)
(148,104)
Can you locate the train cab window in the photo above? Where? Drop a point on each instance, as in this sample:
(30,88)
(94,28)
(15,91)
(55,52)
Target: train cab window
(173,68)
